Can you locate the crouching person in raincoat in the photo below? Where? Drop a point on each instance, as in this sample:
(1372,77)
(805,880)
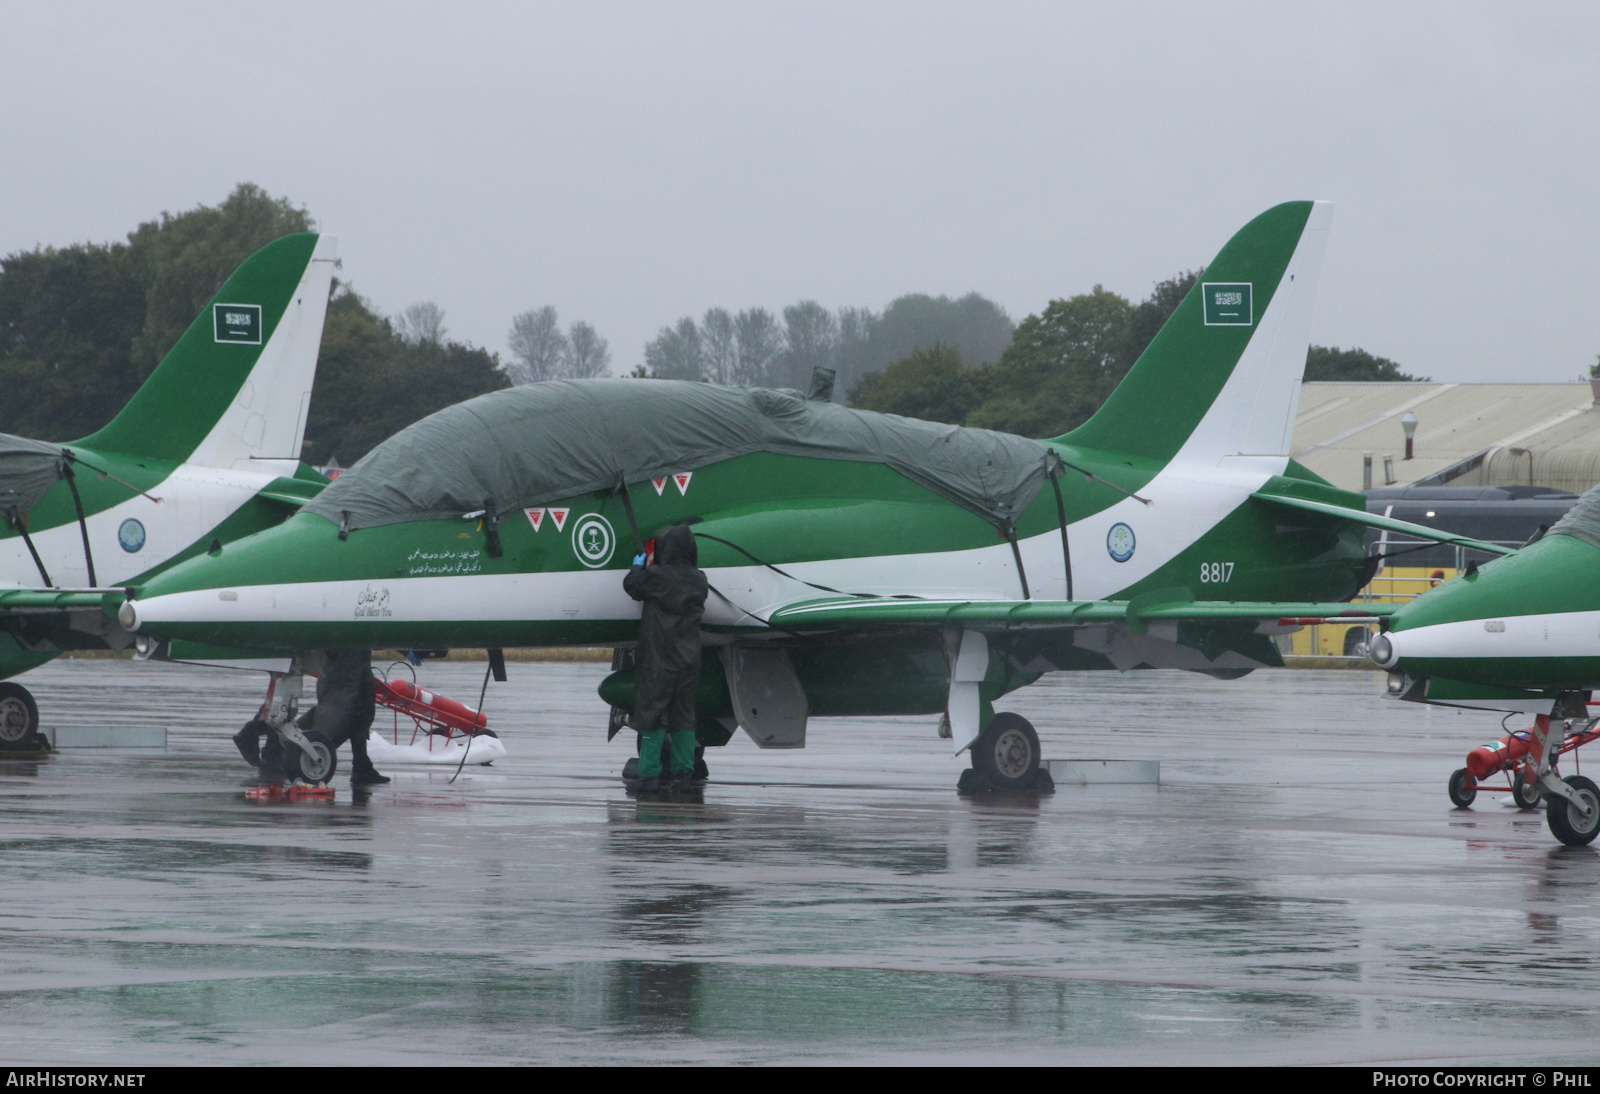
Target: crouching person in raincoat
(668,665)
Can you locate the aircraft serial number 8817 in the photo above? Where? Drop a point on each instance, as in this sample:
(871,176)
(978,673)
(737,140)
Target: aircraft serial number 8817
(861,564)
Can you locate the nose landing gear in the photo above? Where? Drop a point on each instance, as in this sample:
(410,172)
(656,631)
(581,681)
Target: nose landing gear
(1575,821)
(1528,757)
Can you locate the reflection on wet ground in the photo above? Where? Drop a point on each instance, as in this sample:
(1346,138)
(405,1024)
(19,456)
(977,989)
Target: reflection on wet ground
(1298,890)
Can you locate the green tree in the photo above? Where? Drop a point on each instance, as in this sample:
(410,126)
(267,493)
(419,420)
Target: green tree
(978,328)
(1333,363)
(183,260)
(68,318)
(372,382)
(932,384)
(1060,366)
(1154,311)
(82,327)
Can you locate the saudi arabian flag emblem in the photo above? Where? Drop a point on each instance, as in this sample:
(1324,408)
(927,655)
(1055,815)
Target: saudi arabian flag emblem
(239,323)
(1228,304)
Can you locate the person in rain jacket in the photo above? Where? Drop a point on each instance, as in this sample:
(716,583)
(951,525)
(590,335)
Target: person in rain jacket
(668,665)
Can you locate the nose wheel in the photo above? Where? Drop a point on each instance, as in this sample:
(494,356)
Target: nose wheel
(1575,821)
(318,762)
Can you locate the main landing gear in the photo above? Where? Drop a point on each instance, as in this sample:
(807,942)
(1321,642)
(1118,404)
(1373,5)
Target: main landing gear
(19,719)
(1006,756)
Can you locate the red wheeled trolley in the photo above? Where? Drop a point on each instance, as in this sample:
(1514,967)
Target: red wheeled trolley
(431,713)
(1516,756)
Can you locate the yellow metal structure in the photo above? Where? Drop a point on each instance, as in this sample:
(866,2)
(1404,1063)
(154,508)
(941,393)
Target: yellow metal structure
(1395,585)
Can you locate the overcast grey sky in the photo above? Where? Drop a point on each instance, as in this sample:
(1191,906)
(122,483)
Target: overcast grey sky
(632,163)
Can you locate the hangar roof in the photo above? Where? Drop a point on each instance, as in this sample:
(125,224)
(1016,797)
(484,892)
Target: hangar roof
(1456,424)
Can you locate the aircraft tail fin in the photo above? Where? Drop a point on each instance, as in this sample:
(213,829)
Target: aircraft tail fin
(236,387)
(1222,376)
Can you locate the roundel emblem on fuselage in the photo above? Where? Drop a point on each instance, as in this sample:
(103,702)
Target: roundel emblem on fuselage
(593,541)
(131,535)
(1120,542)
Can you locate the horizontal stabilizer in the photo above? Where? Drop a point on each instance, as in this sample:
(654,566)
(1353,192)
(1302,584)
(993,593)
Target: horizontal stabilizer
(1374,520)
(291,492)
(896,612)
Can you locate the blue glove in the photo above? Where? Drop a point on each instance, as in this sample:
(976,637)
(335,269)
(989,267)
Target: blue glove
(638,560)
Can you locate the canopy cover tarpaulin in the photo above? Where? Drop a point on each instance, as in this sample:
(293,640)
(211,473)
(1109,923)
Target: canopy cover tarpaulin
(542,442)
(28,469)
(1582,520)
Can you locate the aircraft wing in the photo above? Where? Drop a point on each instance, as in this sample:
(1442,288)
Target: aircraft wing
(897,612)
(1374,520)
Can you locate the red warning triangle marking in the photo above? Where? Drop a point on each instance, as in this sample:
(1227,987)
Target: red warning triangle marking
(682,479)
(660,483)
(535,517)
(560,517)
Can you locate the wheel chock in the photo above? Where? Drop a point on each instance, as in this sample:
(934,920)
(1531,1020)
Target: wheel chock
(299,792)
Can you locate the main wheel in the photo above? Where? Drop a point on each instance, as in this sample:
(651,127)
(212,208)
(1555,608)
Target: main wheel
(1463,788)
(319,766)
(1355,642)
(1575,823)
(1525,794)
(19,717)
(1007,752)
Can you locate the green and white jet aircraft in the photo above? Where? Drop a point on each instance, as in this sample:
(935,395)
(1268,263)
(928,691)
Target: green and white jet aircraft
(207,451)
(862,564)
(1519,634)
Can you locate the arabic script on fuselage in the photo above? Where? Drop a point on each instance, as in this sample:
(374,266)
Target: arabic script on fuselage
(372,603)
(422,563)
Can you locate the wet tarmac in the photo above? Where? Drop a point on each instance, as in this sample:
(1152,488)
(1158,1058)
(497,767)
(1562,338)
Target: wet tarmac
(1298,890)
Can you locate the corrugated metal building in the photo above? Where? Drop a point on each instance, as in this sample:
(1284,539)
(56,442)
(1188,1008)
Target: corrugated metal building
(1465,434)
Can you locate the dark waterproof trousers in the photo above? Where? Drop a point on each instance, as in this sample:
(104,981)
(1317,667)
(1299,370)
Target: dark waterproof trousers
(346,702)
(665,700)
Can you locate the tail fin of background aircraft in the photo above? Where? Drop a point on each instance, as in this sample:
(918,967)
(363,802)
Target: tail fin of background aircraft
(1222,376)
(237,386)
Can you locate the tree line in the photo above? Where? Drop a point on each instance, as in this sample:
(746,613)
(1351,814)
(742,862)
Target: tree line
(756,347)
(81,327)
(1061,365)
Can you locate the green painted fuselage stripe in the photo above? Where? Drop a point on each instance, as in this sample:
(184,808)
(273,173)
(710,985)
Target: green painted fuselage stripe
(98,494)
(1556,574)
(857,511)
